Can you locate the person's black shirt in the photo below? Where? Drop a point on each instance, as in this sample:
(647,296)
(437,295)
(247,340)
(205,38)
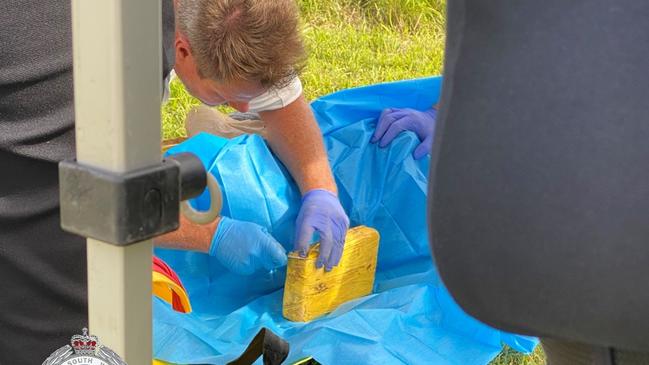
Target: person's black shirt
(42,269)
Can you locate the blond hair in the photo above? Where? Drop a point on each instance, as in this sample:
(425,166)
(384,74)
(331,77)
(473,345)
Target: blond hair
(254,40)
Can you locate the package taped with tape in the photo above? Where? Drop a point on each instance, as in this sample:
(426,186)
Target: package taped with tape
(310,292)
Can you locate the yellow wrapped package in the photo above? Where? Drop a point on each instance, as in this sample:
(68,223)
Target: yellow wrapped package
(310,292)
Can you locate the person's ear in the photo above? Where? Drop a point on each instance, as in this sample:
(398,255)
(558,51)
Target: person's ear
(182,48)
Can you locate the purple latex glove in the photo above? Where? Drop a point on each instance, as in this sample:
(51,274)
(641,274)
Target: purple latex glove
(321,212)
(394,121)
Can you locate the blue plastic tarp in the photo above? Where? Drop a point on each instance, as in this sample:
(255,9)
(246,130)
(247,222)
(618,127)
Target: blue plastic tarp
(409,319)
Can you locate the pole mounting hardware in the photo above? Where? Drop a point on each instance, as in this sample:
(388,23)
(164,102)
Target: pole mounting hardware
(124,208)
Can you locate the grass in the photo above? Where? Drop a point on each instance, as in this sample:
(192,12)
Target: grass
(360,42)
(511,357)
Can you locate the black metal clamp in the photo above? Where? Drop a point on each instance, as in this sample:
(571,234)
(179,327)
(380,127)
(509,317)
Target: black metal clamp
(126,208)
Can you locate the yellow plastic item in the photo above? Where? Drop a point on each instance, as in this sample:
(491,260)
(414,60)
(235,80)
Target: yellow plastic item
(165,288)
(169,143)
(310,292)
(160,362)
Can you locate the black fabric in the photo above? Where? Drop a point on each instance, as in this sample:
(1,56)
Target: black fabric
(539,184)
(630,358)
(558,352)
(267,344)
(36,100)
(168,37)
(42,268)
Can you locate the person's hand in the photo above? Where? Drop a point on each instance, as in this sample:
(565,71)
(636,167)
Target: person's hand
(245,247)
(321,212)
(394,121)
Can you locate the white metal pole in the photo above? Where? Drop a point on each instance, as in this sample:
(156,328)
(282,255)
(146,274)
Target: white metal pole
(117,80)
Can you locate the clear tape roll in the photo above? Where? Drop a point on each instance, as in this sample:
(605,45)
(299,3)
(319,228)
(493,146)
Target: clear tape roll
(216,203)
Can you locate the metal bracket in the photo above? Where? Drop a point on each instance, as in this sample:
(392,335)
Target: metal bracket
(126,208)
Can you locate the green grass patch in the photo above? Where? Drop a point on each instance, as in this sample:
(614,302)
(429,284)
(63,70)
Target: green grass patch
(175,110)
(511,357)
(347,55)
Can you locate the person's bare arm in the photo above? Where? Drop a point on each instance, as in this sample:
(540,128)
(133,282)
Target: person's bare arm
(295,137)
(189,236)
(293,134)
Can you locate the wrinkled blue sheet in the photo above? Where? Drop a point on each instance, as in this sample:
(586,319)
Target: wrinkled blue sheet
(410,318)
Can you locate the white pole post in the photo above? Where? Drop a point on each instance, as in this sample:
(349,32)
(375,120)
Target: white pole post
(117,84)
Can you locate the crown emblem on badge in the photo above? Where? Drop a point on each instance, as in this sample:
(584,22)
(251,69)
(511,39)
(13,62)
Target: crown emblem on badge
(82,350)
(84,344)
